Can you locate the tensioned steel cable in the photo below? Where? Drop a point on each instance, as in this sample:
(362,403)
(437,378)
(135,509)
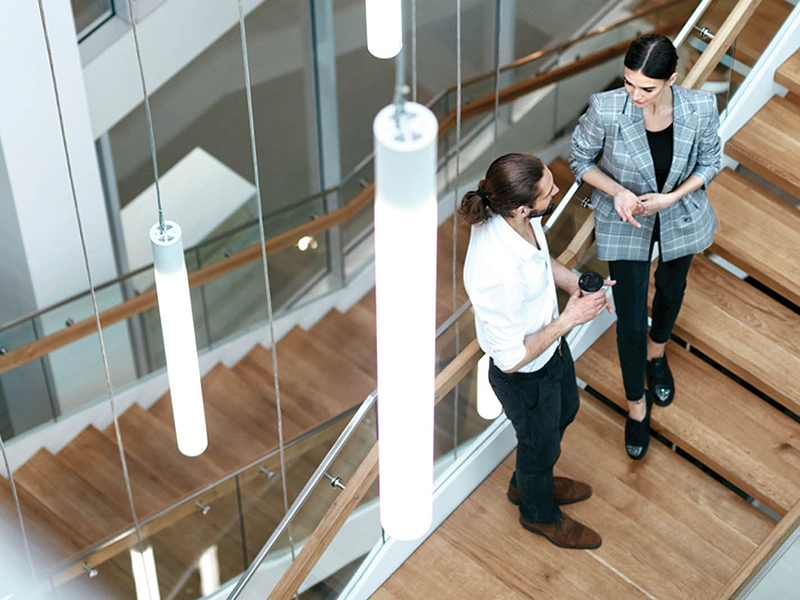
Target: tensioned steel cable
(270,316)
(455,210)
(496,72)
(413,50)
(71,175)
(25,542)
(148,115)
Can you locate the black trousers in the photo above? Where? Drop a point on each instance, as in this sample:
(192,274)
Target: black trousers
(630,299)
(540,405)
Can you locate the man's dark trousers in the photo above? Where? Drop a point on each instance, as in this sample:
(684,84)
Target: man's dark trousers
(540,405)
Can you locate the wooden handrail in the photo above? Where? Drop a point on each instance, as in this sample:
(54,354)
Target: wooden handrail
(147,300)
(523,88)
(363,478)
(755,562)
(71,568)
(723,39)
(566,44)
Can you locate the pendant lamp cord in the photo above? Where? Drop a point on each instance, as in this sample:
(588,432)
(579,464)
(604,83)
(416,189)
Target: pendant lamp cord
(91,286)
(496,72)
(413,50)
(273,348)
(148,115)
(455,211)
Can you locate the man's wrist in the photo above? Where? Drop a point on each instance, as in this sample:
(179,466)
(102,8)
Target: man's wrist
(563,325)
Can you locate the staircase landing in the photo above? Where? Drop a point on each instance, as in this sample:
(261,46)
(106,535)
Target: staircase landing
(669,531)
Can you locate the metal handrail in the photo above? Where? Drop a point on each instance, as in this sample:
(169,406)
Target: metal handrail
(196,247)
(334,189)
(99,547)
(365,407)
(689,27)
(360,412)
(566,44)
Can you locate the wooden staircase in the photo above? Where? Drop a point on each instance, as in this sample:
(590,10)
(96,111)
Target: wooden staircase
(678,524)
(77,498)
(758,31)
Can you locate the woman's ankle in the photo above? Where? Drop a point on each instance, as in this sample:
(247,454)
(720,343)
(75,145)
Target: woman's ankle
(637,410)
(654,349)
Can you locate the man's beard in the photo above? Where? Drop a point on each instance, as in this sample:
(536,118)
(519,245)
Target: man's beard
(550,208)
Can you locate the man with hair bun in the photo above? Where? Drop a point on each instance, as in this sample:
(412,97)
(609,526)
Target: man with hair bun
(511,281)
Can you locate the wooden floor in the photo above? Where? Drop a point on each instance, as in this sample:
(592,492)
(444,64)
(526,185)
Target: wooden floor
(667,534)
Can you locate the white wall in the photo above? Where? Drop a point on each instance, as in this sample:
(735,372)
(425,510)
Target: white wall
(36,171)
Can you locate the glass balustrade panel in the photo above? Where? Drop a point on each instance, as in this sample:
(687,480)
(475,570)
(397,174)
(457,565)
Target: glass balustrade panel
(194,549)
(27,394)
(262,487)
(349,549)
(315,504)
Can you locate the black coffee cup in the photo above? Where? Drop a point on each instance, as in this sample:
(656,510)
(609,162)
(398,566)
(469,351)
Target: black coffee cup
(590,282)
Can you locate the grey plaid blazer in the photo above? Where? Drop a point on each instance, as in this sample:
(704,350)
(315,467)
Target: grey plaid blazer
(614,126)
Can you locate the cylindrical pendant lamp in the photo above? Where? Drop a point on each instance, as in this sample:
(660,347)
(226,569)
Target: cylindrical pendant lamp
(384,27)
(405,301)
(489,406)
(180,346)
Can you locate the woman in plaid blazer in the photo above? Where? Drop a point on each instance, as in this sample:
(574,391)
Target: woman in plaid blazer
(660,149)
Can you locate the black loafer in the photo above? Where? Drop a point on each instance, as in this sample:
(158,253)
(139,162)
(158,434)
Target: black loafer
(660,382)
(637,433)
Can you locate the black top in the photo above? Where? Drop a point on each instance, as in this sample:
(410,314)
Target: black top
(661,149)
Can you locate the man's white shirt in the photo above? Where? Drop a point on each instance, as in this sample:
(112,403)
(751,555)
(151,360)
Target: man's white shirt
(510,284)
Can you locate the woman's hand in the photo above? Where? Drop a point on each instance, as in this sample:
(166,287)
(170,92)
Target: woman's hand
(627,204)
(650,204)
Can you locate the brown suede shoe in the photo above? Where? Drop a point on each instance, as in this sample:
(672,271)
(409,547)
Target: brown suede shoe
(565,490)
(565,533)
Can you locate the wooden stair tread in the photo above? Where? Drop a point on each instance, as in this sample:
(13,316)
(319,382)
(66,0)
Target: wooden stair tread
(96,458)
(714,419)
(669,531)
(353,334)
(48,544)
(308,396)
(769,144)
(229,445)
(788,74)
(70,502)
(742,329)
(758,232)
(323,379)
(252,410)
(759,30)
(153,443)
(255,369)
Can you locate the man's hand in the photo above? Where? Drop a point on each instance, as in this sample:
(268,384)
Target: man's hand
(650,204)
(583,308)
(627,204)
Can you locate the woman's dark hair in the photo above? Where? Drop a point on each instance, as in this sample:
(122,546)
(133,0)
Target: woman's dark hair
(652,54)
(511,181)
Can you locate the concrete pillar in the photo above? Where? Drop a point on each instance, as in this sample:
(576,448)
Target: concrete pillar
(46,263)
